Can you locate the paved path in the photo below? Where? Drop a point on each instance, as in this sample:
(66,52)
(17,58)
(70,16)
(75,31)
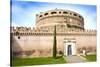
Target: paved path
(74,59)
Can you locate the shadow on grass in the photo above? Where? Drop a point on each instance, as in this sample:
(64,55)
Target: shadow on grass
(58,57)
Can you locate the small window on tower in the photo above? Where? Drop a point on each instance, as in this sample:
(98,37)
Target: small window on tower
(53,12)
(59,12)
(46,14)
(75,14)
(40,16)
(70,13)
(65,12)
(18,37)
(80,17)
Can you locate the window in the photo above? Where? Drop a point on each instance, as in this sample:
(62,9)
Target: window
(46,14)
(17,33)
(18,37)
(80,17)
(70,13)
(59,12)
(27,29)
(75,14)
(40,16)
(65,12)
(53,12)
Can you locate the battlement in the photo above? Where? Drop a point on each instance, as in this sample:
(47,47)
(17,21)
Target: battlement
(37,31)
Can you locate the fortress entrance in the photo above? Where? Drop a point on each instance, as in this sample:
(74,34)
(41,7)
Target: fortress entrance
(69,51)
(69,46)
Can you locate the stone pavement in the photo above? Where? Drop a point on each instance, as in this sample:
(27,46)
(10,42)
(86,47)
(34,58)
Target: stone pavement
(74,59)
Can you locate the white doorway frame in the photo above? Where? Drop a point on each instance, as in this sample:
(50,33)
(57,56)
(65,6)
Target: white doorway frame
(68,42)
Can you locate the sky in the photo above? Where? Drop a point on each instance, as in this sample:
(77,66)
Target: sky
(24,12)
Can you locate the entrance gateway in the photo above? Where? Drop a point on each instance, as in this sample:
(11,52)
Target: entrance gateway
(69,50)
(69,46)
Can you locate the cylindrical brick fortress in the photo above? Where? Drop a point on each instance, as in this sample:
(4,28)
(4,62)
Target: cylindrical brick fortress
(59,17)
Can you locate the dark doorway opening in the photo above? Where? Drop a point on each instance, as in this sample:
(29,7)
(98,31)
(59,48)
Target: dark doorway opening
(69,50)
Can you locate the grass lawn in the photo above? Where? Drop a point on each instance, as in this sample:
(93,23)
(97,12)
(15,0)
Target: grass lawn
(37,61)
(91,58)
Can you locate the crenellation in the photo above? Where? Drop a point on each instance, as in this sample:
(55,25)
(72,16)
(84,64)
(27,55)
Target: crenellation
(28,31)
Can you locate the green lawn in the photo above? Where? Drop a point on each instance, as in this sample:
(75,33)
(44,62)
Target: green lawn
(91,58)
(37,61)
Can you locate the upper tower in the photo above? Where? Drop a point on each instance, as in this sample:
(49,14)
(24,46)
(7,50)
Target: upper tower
(60,18)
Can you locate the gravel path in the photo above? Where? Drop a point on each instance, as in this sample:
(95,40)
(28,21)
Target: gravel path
(74,59)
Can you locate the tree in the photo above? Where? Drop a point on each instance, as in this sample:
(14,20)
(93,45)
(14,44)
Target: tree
(54,43)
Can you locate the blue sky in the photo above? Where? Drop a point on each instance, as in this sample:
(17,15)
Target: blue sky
(24,12)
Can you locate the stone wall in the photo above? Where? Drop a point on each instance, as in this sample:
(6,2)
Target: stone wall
(41,44)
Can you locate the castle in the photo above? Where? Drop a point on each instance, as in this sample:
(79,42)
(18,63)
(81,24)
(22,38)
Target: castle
(72,37)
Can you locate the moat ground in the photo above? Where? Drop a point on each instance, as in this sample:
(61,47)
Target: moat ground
(45,60)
